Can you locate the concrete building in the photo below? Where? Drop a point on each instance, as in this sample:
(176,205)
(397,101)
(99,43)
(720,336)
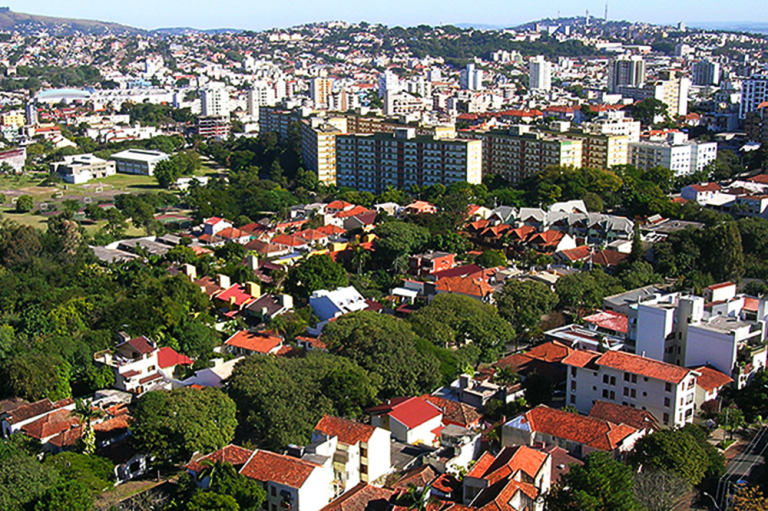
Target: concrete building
(706,73)
(318,146)
(666,390)
(30,111)
(675,153)
(217,127)
(626,71)
(214,100)
(14,158)
(411,420)
(81,168)
(375,162)
(540,74)
(670,88)
(320,90)
(471,78)
(138,161)
(756,124)
(388,82)
(754,92)
(135,364)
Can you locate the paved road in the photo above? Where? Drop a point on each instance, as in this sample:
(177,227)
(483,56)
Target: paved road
(746,466)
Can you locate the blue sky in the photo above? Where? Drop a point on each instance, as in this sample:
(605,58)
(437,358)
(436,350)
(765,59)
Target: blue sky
(259,14)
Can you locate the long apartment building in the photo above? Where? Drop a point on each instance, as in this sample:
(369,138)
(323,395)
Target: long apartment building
(318,146)
(675,153)
(375,162)
(520,152)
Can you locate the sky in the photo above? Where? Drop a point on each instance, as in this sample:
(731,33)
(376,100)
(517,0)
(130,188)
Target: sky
(260,14)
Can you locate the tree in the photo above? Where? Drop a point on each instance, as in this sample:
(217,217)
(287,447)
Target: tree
(452,320)
(20,244)
(397,239)
(385,346)
(23,479)
(209,501)
(524,302)
(24,204)
(86,413)
(34,376)
(172,425)
(749,498)
(247,492)
(93,472)
(648,109)
(731,419)
(586,290)
(593,202)
(601,484)
(314,273)
(491,259)
(67,496)
(674,451)
(660,491)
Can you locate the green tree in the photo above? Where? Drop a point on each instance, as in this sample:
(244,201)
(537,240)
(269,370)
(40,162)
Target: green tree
(209,501)
(491,259)
(172,425)
(248,493)
(647,110)
(24,204)
(87,413)
(34,376)
(660,491)
(386,346)
(93,472)
(731,419)
(673,451)
(67,496)
(537,389)
(23,479)
(601,484)
(524,302)
(586,290)
(314,273)
(397,239)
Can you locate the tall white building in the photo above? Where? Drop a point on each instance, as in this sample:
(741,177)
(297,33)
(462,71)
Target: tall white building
(626,71)
(540,73)
(260,94)
(471,78)
(214,100)
(754,92)
(675,153)
(706,73)
(388,82)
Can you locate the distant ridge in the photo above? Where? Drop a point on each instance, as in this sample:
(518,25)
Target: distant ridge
(33,23)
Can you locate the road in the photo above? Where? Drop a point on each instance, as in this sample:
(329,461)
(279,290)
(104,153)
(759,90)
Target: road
(744,467)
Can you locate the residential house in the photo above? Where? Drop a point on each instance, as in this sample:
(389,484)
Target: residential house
(234,455)
(545,359)
(213,376)
(235,298)
(290,483)
(267,307)
(14,418)
(709,383)
(168,360)
(327,305)
(476,288)
(135,364)
(245,343)
(420,207)
(455,412)
(422,265)
(410,419)
(363,497)
(214,225)
(666,390)
(550,241)
(361,454)
(641,420)
(577,434)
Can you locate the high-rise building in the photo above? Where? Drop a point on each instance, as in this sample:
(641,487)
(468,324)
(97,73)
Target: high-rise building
(706,72)
(471,78)
(753,93)
(675,153)
(388,82)
(318,146)
(540,73)
(375,162)
(259,95)
(626,71)
(670,88)
(30,111)
(214,100)
(320,91)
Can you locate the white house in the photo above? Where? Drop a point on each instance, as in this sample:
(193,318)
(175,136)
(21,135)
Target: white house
(410,419)
(138,161)
(214,225)
(135,364)
(361,453)
(291,483)
(331,304)
(667,391)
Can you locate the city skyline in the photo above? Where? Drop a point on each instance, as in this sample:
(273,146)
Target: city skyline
(230,14)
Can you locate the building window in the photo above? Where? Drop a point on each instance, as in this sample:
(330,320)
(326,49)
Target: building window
(573,372)
(668,387)
(273,491)
(573,399)
(612,395)
(613,380)
(666,402)
(363,469)
(605,393)
(605,379)
(633,393)
(573,386)
(626,391)
(363,452)
(666,418)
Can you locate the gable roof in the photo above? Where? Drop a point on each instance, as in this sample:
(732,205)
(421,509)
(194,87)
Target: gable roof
(649,367)
(36,409)
(237,294)
(362,497)
(552,352)
(576,254)
(620,414)
(409,411)
(141,344)
(258,342)
(419,477)
(464,285)
(167,357)
(609,320)
(710,378)
(455,412)
(467,270)
(52,424)
(348,432)
(268,466)
(507,463)
(234,455)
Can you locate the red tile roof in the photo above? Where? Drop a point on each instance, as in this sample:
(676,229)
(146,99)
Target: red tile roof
(710,378)
(507,463)
(232,454)
(349,432)
(36,409)
(548,238)
(289,241)
(707,187)
(761,178)
(312,235)
(649,367)
(609,320)
(552,352)
(581,358)
(151,377)
(52,424)
(454,412)
(598,434)
(609,257)
(267,466)
(577,254)
(419,477)
(464,285)
(167,357)
(468,270)
(339,204)
(357,210)
(258,342)
(331,230)
(620,414)
(141,345)
(236,295)
(362,497)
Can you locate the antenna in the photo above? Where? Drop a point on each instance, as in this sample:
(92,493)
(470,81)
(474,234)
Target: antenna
(606,11)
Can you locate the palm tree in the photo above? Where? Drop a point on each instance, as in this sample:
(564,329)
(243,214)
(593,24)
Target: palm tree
(416,498)
(87,413)
(214,470)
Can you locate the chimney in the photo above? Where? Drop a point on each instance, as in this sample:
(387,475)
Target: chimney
(253,289)
(224,281)
(190,271)
(253,262)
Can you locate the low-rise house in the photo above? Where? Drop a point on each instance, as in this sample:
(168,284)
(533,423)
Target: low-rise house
(363,497)
(709,383)
(211,376)
(135,364)
(245,343)
(577,434)
(234,455)
(550,241)
(456,413)
(459,447)
(420,207)
(168,360)
(15,417)
(545,359)
(214,225)
(423,265)
(476,288)
(361,452)
(410,419)
(267,307)
(235,298)
(138,161)
(327,305)
(290,483)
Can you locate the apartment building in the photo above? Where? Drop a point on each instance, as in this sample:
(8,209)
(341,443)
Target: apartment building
(213,127)
(375,162)
(135,364)
(214,100)
(754,92)
(626,71)
(670,88)
(318,146)
(675,153)
(665,390)
(540,72)
(320,90)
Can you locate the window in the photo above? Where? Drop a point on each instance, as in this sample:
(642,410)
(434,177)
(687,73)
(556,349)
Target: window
(666,402)
(605,393)
(605,379)
(633,393)
(612,395)
(666,418)
(273,491)
(573,399)
(613,380)
(626,391)
(668,387)
(363,452)
(573,386)
(627,377)
(363,469)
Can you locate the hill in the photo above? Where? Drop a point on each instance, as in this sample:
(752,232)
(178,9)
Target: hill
(32,23)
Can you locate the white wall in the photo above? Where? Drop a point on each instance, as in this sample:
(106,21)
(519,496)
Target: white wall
(706,346)
(379,454)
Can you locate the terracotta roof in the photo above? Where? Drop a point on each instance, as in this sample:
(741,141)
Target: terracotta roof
(721,285)
(141,344)
(151,377)
(751,304)
(581,358)
(339,204)
(576,254)
(620,414)
(454,412)
(233,233)
(498,496)
(312,235)
(258,342)
(707,187)
(418,477)
(609,320)
(552,352)
(331,230)
(507,463)
(52,424)
(232,454)
(710,378)
(561,461)
(67,438)
(289,241)
(267,466)
(464,285)
(167,357)
(467,270)
(410,411)
(36,409)
(595,433)
(609,257)
(263,247)
(548,238)
(315,342)
(209,286)
(349,432)
(761,178)
(649,367)
(362,497)
(357,210)
(236,294)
